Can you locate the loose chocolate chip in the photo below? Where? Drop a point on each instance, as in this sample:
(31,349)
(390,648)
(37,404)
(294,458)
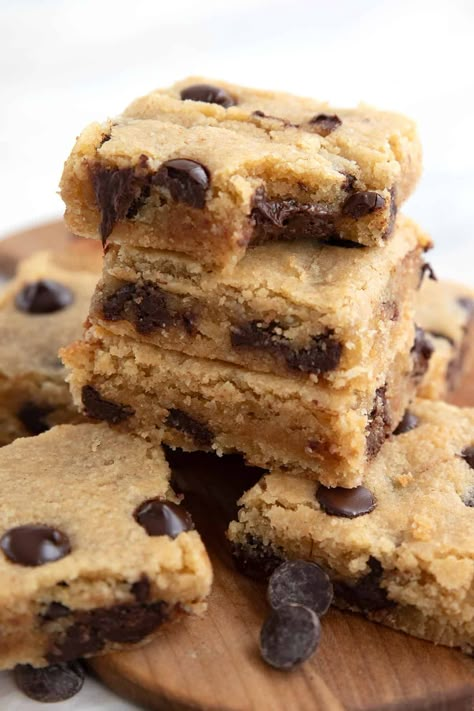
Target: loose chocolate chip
(468,455)
(96,407)
(49,685)
(348,503)
(181,421)
(324,124)
(141,589)
(362,203)
(186,180)
(379,425)
(34,544)
(286,218)
(366,595)
(254,559)
(427,269)
(54,611)
(300,582)
(92,629)
(43,297)
(163,518)
(32,417)
(209,94)
(421,353)
(289,636)
(409,422)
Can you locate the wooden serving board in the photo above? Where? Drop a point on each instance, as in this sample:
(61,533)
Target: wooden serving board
(213,663)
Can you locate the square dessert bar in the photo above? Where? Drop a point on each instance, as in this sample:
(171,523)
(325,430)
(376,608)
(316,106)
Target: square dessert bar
(294,309)
(41,310)
(206,172)
(278,423)
(446,311)
(400,549)
(96,553)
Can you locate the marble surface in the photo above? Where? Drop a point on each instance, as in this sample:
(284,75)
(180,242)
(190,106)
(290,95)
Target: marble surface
(64,63)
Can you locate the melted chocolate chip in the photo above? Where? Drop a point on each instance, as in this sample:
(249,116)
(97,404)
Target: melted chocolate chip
(324,124)
(209,94)
(321,356)
(254,559)
(421,352)
(289,636)
(299,582)
(163,518)
(34,544)
(362,203)
(54,611)
(49,685)
(181,421)
(43,297)
(96,407)
(409,422)
(92,629)
(348,503)
(366,595)
(186,180)
(379,423)
(141,589)
(32,417)
(286,218)
(468,455)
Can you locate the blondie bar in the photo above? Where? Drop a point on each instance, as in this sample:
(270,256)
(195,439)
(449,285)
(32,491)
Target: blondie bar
(400,549)
(207,172)
(96,553)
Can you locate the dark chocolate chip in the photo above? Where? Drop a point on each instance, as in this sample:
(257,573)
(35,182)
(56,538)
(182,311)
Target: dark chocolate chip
(186,180)
(379,423)
(254,559)
(34,544)
(96,407)
(286,218)
(49,685)
(141,589)
(32,417)
(163,518)
(324,124)
(209,94)
(427,269)
(54,611)
(421,353)
(289,636)
(43,297)
(181,421)
(92,629)
(349,182)
(366,595)
(409,422)
(468,455)
(362,203)
(348,503)
(300,582)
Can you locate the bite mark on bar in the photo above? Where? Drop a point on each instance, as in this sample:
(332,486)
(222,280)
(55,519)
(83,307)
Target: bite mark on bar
(181,421)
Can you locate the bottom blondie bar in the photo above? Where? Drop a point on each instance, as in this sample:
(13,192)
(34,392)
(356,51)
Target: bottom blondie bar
(400,549)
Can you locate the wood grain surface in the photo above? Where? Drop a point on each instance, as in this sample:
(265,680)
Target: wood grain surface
(213,663)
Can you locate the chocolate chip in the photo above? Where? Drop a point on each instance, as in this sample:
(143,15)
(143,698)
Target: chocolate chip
(379,424)
(289,636)
(92,629)
(49,685)
(421,353)
(286,218)
(254,559)
(32,417)
(366,595)
(300,582)
(427,269)
(468,455)
(43,297)
(409,422)
(34,544)
(324,124)
(96,407)
(348,503)
(362,203)
(209,94)
(141,589)
(349,182)
(55,611)
(163,518)
(181,421)
(186,180)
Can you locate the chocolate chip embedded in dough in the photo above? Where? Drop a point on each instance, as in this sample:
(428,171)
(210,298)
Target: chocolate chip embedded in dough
(300,582)
(362,203)
(181,421)
(57,682)
(289,636)
(208,93)
(34,544)
(141,589)
(379,423)
(468,455)
(286,218)
(409,422)
(324,124)
(348,503)
(255,559)
(366,594)
(55,611)
(163,518)
(44,296)
(187,181)
(96,407)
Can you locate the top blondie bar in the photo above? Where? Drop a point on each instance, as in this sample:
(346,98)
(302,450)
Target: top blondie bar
(208,168)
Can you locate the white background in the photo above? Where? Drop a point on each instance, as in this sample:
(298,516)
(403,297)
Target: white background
(64,63)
